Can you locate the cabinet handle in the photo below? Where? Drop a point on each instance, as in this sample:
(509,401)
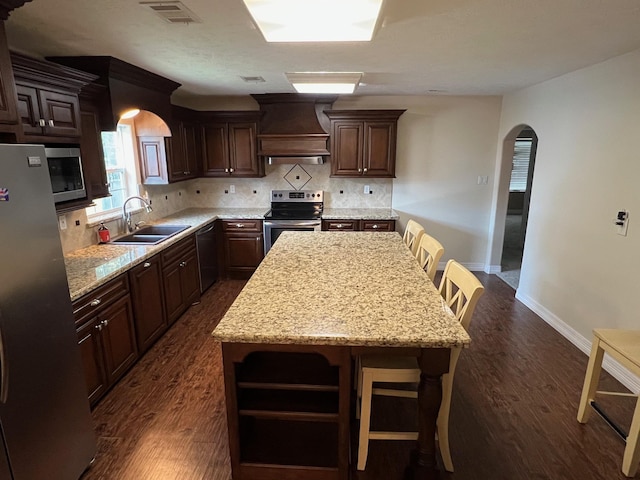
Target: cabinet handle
(365,170)
(51,123)
(183,264)
(231,170)
(96,302)
(339,225)
(42,123)
(105,323)
(99,327)
(258,239)
(226,170)
(374,226)
(359,170)
(239,225)
(146,264)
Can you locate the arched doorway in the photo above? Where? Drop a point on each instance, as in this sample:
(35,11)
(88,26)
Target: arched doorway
(521,144)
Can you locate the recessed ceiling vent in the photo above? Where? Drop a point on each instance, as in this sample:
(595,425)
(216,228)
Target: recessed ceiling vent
(172,12)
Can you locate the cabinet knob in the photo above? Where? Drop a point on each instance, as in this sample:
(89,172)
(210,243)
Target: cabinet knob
(365,170)
(105,323)
(42,123)
(231,170)
(96,302)
(226,170)
(339,225)
(359,170)
(183,264)
(185,173)
(146,264)
(374,226)
(51,123)
(239,225)
(99,327)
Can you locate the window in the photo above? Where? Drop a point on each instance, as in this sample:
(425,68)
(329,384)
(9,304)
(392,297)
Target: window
(119,161)
(520,168)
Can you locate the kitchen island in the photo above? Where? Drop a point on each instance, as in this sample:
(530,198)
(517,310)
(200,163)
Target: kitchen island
(317,299)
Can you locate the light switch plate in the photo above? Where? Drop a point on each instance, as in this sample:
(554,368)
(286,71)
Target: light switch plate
(622,229)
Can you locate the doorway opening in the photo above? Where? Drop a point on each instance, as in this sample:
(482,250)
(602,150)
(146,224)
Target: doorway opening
(522,166)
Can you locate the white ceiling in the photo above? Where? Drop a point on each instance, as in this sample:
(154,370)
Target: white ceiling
(454,47)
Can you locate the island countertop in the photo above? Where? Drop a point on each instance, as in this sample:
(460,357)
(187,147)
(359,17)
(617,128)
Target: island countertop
(332,288)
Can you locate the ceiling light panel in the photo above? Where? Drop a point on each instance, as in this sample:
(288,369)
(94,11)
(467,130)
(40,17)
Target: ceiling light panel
(324,82)
(315,20)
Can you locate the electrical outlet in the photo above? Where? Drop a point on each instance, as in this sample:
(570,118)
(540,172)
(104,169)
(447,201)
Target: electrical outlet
(62,222)
(367,189)
(483,180)
(232,189)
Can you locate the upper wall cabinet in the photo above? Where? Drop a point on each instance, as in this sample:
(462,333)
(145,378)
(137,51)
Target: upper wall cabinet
(363,142)
(8,99)
(93,166)
(48,105)
(229,145)
(185,160)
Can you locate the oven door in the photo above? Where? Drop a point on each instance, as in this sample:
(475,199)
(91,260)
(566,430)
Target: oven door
(273,228)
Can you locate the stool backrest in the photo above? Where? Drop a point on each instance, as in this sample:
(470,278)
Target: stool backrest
(461,290)
(412,233)
(428,253)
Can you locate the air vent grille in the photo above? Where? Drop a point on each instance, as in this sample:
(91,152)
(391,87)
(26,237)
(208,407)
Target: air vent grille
(172,12)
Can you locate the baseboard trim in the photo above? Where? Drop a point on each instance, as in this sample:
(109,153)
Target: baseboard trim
(492,269)
(620,373)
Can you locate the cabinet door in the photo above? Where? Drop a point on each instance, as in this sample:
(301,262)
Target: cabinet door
(243,252)
(347,140)
(118,338)
(243,155)
(380,149)
(215,150)
(173,300)
(93,168)
(148,302)
(340,225)
(29,109)
(153,160)
(92,359)
(192,140)
(61,112)
(176,166)
(190,278)
(8,109)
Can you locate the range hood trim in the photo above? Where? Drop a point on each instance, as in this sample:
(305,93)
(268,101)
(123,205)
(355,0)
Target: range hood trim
(295,160)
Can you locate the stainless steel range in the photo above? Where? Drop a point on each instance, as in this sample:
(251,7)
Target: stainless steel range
(299,210)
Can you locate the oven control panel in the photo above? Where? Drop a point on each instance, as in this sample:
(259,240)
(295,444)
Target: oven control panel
(297,196)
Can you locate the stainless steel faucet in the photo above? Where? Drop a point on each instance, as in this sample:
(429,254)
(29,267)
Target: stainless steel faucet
(127,215)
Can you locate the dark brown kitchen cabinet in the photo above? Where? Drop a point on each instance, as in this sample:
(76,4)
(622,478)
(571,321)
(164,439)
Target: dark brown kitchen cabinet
(153,159)
(229,145)
(363,142)
(93,166)
(147,296)
(243,247)
(8,108)
(106,335)
(181,279)
(47,99)
(358,225)
(186,152)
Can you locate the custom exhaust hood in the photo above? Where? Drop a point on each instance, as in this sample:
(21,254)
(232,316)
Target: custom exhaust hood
(293,128)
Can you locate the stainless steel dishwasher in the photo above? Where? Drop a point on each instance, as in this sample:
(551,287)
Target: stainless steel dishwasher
(207,255)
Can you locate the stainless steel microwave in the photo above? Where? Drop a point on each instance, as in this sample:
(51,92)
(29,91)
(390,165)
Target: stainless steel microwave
(65,170)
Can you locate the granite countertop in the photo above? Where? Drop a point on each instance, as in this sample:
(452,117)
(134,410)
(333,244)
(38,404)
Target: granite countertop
(91,267)
(328,288)
(359,213)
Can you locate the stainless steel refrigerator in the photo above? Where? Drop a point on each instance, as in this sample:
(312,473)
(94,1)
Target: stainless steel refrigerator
(46,426)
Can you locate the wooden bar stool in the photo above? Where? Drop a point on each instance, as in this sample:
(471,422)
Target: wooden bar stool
(624,346)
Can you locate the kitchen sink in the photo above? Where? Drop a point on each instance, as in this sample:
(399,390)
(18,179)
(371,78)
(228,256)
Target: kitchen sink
(150,235)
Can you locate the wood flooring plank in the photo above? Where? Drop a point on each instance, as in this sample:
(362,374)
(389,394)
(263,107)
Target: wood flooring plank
(513,414)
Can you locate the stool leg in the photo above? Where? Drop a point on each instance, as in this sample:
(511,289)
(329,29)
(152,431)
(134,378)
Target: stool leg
(591,380)
(365,419)
(632,450)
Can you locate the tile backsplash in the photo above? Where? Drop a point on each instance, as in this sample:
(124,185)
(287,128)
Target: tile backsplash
(249,192)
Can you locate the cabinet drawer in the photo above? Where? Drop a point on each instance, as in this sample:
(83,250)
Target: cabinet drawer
(242,225)
(88,305)
(340,225)
(378,225)
(175,252)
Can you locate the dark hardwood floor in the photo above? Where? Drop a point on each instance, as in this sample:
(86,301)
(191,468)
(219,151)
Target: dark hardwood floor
(513,412)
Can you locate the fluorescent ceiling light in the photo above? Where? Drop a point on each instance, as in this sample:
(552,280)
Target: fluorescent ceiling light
(324,82)
(130,113)
(315,20)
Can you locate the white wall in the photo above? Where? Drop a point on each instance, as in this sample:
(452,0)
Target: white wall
(444,144)
(577,272)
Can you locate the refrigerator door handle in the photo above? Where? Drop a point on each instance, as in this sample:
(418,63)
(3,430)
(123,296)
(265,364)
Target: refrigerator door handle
(4,377)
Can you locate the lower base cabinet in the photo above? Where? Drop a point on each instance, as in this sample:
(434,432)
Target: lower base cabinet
(351,225)
(243,245)
(106,335)
(181,277)
(147,295)
(287,411)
